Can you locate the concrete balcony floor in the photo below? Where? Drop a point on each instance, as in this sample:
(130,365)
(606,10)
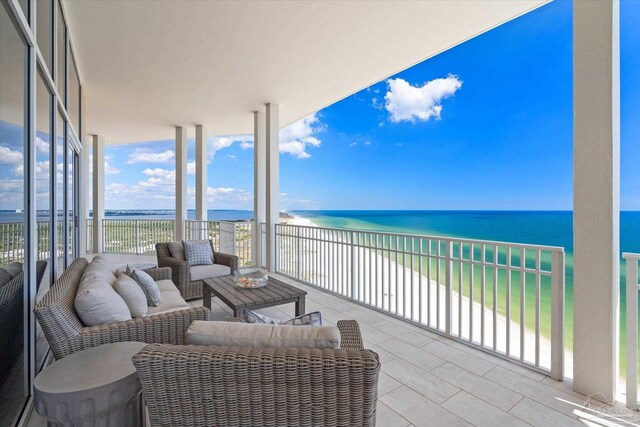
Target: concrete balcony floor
(429,380)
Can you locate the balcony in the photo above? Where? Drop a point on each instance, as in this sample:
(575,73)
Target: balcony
(428,379)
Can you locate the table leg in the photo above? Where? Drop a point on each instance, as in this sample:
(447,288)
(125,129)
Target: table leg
(238,312)
(300,308)
(206,295)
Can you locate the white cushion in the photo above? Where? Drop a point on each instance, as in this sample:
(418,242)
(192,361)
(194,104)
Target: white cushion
(233,334)
(132,295)
(101,269)
(199,272)
(170,300)
(97,302)
(166,285)
(104,261)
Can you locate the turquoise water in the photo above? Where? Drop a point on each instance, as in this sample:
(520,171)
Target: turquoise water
(533,227)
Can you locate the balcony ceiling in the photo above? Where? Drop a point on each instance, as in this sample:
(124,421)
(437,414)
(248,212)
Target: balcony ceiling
(150,65)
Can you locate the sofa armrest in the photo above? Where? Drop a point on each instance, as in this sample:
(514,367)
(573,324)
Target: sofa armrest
(165,328)
(350,336)
(179,270)
(162,273)
(229,260)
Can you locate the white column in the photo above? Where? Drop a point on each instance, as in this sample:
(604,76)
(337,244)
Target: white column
(272,181)
(259,183)
(201,173)
(596,195)
(181,182)
(98,192)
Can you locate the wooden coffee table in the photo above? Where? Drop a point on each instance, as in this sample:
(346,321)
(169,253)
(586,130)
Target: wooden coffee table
(275,293)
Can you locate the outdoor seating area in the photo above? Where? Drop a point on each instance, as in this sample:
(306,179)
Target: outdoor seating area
(423,379)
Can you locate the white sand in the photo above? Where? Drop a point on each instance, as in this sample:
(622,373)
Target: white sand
(385,284)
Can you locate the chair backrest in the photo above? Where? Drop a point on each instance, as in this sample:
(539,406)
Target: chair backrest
(56,312)
(162,249)
(258,385)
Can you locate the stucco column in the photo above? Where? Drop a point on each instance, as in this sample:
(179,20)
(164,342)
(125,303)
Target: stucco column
(201,173)
(98,192)
(596,195)
(181,182)
(259,183)
(272,182)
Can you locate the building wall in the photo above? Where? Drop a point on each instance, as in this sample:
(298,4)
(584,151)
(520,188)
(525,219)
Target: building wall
(40,120)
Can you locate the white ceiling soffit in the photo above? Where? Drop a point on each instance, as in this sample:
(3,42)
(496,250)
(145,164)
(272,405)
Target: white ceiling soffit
(150,65)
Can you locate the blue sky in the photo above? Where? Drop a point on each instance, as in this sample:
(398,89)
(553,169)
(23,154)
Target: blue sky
(485,125)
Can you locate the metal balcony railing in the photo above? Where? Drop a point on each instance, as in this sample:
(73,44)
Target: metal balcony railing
(505,298)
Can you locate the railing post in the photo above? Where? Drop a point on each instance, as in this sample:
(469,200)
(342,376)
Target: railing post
(137,236)
(354,286)
(632,331)
(299,254)
(557,315)
(103,242)
(448,287)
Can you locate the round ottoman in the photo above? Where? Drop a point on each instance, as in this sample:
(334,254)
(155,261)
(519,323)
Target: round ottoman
(97,387)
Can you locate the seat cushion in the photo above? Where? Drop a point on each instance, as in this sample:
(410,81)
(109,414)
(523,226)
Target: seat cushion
(171,300)
(132,295)
(259,335)
(199,272)
(166,285)
(176,250)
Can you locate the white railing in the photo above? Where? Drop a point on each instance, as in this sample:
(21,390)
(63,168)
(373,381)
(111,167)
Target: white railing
(632,285)
(505,298)
(231,237)
(135,236)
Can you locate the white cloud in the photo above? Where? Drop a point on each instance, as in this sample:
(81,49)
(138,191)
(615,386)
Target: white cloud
(109,169)
(405,102)
(41,145)
(191,168)
(296,138)
(9,156)
(219,142)
(144,155)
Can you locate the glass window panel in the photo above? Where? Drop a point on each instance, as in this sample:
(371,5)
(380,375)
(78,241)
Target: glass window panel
(13,393)
(60,192)
(73,103)
(24,5)
(62,57)
(70,204)
(44,30)
(43,204)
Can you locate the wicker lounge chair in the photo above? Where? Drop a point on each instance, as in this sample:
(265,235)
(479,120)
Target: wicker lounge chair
(242,386)
(66,334)
(184,276)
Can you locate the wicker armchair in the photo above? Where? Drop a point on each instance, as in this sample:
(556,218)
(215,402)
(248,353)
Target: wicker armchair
(66,334)
(181,273)
(241,386)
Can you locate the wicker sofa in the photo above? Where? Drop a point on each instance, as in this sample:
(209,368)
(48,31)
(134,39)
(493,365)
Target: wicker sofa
(171,254)
(243,386)
(66,333)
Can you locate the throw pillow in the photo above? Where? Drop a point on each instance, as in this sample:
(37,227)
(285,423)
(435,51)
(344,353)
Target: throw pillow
(309,319)
(97,302)
(233,334)
(198,253)
(132,294)
(148,286)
